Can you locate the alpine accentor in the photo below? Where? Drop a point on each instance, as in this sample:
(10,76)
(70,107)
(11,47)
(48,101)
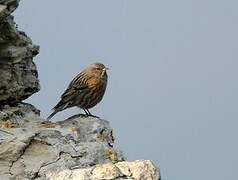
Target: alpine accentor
(85,90)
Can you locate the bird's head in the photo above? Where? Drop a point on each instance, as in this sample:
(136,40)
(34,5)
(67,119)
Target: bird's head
(98,70)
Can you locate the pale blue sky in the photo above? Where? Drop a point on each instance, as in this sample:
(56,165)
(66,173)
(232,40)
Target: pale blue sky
(172,95)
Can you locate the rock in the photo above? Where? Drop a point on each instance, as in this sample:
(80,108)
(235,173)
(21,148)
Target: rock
(16,113)
(7,7)
(3,10)
(140,170)
(32,148)
(18,73)
(77,148)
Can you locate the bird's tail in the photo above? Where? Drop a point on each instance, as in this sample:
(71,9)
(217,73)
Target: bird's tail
(59,107)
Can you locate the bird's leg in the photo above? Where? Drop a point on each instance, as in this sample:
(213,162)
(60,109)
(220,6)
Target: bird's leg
(89,114)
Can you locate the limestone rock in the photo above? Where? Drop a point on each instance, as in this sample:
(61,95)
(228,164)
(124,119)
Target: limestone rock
(77,148)
(15,114)
(7,7)
(32,148)
(139,170)
(18,73)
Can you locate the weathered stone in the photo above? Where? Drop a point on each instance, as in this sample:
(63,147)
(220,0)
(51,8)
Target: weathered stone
(18,73)
(139,170)
(33,149)
(7,7)
(3,9)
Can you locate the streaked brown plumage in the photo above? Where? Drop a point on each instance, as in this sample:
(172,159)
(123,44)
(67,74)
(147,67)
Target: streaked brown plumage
(85,90)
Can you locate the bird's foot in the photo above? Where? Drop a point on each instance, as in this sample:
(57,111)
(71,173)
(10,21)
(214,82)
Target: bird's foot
(90,115)
(46,122)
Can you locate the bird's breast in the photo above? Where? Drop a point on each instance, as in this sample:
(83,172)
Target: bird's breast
(94,93)
(96,83)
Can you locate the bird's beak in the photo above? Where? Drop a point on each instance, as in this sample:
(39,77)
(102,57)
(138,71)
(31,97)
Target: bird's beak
(104,71)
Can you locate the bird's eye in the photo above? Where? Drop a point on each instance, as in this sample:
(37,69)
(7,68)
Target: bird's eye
(98,69)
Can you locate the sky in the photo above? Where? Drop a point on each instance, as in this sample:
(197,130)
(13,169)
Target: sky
(172,93)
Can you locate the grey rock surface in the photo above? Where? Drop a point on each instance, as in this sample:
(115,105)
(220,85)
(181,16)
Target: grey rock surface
(7,7)
(31,148)
(18,73)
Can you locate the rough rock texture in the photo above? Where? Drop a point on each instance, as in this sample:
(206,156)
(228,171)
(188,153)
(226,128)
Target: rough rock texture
(7,7)
(77,148)
(18,74)
(30,148)
(141,170)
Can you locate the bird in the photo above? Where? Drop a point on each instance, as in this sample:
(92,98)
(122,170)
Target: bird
(85,91)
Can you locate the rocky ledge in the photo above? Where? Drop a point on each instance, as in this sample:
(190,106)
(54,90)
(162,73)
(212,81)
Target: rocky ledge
(77,148)
(30,148)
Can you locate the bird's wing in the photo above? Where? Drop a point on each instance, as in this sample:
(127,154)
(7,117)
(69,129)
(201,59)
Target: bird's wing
(76,87)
